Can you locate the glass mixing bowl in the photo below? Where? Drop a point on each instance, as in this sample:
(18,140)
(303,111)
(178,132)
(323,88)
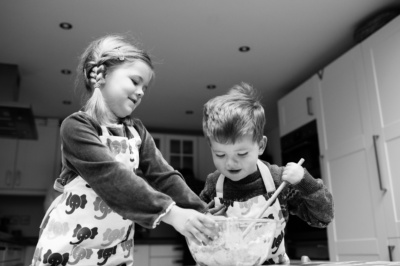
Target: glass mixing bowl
(234,246)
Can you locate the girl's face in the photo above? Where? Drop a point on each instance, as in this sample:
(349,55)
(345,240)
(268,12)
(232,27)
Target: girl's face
(238,160)
(125,86)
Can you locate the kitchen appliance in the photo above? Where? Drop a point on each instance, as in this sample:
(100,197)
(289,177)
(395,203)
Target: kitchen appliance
(302,239)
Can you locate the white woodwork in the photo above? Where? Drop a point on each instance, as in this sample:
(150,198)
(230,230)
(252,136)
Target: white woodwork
(358,230)
(141,255)
(297,108)
(382,60)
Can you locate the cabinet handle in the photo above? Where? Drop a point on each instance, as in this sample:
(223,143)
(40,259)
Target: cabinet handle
(17,182)
(309,106)
(9,178)
(391,252)
(375,139)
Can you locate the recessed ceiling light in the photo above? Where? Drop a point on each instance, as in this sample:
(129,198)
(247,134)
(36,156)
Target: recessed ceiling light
(65,25)
(66,71)
(244,49)
(189,112)
(66,102)
(211,86)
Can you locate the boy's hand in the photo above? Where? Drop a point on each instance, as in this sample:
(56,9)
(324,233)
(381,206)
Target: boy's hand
(293,173)
(219,210)
(198,227)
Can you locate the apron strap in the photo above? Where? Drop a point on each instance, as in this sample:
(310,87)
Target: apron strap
(135,133)
(220,186)
(265,174)
(104,131)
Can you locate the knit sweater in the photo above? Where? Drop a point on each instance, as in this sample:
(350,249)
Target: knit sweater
(140,199)
(310,200)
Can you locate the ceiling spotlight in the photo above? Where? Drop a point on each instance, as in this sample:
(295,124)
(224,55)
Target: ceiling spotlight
(211,87)
(244,49)
(65,25)
(66,71)
(189,112)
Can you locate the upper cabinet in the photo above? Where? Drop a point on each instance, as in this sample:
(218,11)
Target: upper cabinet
(297,107)
(28,167)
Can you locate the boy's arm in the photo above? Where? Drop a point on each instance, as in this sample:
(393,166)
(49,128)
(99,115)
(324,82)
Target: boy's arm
(208,193)
(311,201)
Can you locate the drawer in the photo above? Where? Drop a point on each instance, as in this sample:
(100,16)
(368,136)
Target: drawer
(166,261)
(141,255)
(166,251)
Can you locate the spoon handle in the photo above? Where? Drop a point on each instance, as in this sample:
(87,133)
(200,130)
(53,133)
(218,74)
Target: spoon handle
(269,201)
(276,193)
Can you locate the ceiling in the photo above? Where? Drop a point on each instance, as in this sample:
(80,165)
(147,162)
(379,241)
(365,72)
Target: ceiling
(193,44)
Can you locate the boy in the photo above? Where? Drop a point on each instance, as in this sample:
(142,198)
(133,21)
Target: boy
(234,124)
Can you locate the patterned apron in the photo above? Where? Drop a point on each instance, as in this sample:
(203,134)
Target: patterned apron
(80,229)
(252,208)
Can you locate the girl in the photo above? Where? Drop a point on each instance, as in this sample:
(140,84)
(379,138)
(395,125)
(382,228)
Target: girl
(91,223)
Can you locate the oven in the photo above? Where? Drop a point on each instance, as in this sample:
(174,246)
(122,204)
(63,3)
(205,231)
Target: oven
(302,239)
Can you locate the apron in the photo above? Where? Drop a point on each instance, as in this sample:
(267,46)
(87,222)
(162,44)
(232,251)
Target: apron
(80,229)
(252,208)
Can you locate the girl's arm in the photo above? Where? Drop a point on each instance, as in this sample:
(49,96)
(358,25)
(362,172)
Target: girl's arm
(123,191)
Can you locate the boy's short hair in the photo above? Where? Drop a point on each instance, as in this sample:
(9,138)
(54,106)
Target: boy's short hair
(231,116)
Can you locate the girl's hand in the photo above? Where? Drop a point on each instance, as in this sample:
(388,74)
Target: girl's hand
(198,227)
(293,173)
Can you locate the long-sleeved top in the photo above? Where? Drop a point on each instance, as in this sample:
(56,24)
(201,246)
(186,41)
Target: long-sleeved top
(310,200)
(140,199)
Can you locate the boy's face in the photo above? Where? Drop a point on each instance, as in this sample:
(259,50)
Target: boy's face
(238,160)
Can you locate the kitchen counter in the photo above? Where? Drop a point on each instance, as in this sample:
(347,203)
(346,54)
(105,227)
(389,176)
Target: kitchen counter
(349,263)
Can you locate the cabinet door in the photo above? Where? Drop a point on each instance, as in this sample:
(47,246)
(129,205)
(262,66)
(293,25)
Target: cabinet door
(394,249)
(297,107)
(141,255)
(382,59)
(166,255)
(357,232)
(7,158)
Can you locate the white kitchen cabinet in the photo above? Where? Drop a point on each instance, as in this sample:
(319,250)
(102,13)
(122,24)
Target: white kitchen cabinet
(382,62)
(297,108)
(358,118)
(166,255)
(394,250)
(348,163)
(28,167)
(11,254)
(141,255)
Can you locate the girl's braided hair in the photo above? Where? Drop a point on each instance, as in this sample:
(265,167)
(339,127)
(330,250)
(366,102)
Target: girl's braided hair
(100,57)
